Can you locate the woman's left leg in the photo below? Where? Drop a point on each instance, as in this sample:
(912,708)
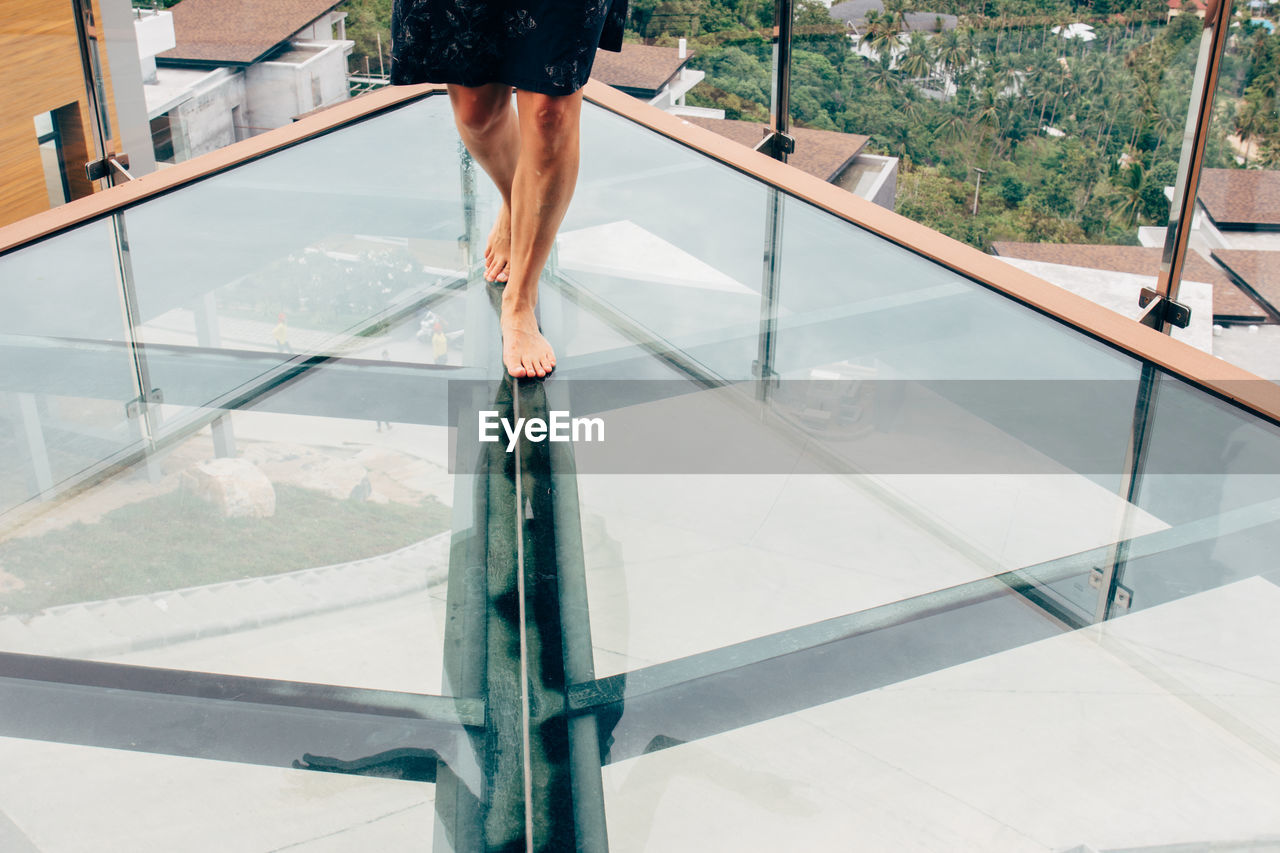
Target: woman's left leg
(545,177)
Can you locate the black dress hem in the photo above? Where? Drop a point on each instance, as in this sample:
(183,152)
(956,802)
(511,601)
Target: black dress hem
(544,46)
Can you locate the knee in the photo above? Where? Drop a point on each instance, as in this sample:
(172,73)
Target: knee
(552,114)
(478,113)
(553,123)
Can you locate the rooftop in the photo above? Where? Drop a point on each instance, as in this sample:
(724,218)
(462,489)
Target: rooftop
(236,32)
(822,153)
(1229,301)
(638,66)
(1257,271)
(1241,198)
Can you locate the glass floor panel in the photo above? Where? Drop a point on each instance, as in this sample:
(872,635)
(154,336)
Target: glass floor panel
(170,803)
(850,547)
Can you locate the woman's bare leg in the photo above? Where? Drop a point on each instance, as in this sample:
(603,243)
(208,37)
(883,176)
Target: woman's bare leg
(545,177)
(490,130)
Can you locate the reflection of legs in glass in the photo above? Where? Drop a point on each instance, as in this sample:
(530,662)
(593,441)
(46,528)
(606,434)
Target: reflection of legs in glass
(542,175)
(488,126)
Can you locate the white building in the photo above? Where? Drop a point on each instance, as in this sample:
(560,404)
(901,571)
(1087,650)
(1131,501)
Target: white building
(657,75)
(218,71)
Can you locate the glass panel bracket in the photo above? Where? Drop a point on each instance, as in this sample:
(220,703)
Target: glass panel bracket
(1161,309)
(137,407)
(98,170)
(777,143)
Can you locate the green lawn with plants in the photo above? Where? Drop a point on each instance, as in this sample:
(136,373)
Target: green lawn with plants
(176,540)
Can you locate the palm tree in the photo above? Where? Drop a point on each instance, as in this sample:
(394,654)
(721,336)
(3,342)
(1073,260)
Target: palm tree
(988,113)
(1126,202)
(1250,120)
(1168,115)
(917,62)
(896,11)
(883,76)
(953,125)
(881,32)
(951,53)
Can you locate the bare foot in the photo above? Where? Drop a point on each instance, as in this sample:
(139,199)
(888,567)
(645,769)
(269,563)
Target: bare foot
(525,352)
(497,253)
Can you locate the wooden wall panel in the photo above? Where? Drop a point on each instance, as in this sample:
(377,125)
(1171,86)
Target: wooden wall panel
(41,72)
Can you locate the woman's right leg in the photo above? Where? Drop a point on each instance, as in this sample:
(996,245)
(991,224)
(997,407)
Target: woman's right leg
(489,128)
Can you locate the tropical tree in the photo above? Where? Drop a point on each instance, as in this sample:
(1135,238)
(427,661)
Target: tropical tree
(1249,121)
(883,77)
(1126,201)
(917,61)
(953,51)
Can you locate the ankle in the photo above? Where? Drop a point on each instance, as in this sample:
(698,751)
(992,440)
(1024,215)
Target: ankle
(517,304)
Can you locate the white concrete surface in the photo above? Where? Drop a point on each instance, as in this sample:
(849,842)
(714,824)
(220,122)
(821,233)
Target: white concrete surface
(626,249)
(1255,348)
(1159,728)
(1119,291)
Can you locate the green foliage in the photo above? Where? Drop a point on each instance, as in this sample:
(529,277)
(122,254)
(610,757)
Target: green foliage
(1154,205)
(175,541)
(367,22)
(993,86)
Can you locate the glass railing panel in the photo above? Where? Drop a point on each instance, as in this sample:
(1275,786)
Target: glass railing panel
(301,533)
(68,373)
(299,254)
(904,448)
(665,237)
(1211,468)
(1235,220)
(300,486)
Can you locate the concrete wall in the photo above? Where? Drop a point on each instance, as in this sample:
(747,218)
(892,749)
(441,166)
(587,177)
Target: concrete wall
(873,177)
(203,123)
(332,25)
(154,31)
(885,190)
(279,91)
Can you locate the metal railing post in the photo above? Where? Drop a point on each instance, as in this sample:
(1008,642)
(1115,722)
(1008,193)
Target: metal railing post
(1164,312)
(779,143)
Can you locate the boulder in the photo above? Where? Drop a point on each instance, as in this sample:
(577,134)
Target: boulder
(342,478)
(236,487)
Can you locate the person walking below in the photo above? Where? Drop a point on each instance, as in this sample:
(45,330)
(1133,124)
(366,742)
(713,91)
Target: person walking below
(440,345)
(482,49)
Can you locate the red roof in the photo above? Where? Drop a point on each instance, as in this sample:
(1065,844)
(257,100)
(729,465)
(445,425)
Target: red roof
(237,32)
(822,153)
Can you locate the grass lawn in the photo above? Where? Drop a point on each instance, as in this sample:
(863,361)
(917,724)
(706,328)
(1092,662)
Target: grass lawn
(177,540)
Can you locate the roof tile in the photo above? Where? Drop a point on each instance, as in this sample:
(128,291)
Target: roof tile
(822,153)
(237,32)
(1241,197)
(638,66)
(1259,270)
